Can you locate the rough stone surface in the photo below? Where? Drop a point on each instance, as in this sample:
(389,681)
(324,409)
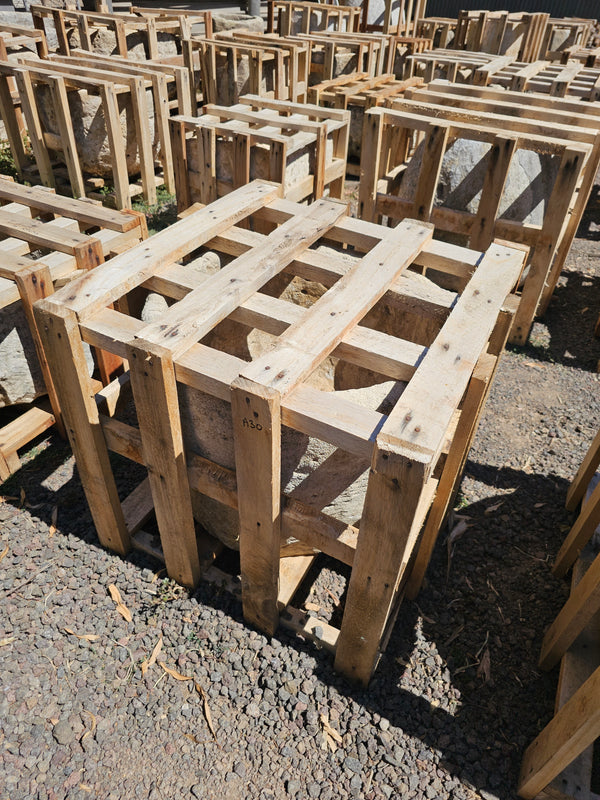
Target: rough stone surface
(228,22)
(93,148)
(21,378)
(528,186)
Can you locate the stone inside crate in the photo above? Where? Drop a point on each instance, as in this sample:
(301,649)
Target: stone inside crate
(313,471)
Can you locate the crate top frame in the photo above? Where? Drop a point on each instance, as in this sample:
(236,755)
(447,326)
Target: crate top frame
(72,234)
(418,424)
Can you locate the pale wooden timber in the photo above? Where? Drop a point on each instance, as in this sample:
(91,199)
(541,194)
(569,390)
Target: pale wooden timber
(27,276)
(363,265)
(264,137)
(559,763)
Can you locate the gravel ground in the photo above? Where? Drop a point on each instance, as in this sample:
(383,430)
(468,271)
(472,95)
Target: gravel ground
(457,696)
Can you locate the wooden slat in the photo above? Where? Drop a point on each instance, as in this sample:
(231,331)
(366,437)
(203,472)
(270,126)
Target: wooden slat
(196,314)
(122,273)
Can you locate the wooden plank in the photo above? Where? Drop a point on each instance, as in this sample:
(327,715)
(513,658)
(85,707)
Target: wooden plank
(69,144)
(580,608)
(92,214)
(571,166)
(155,393)
(323,327)
(90,293)
(22,430)
(138,507)
(436,140)
(582,479)
(196,314)
(500,157)
(59,332)
(571,730)
(579,535)
(256,419)
(114,135)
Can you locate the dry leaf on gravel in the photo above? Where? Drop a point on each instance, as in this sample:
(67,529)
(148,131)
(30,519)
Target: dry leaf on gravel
(8,640)
(147,664)
(53,521)
(92,730)
(457,531)
(331,738)
(484,668)
(174,674)
(206,709)
(118,601)
(4,553)
(89,637)
(495,507)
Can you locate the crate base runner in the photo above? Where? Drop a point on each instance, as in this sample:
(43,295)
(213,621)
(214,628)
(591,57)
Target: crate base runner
(269,413)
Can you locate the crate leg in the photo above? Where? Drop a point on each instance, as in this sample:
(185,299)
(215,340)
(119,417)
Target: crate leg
(59,332)
(571,730)
(558,207)
(452,472)
(580,482)
(115,138)
(35,283)
(396,483)
(257,433)
(369,165)
(155,392)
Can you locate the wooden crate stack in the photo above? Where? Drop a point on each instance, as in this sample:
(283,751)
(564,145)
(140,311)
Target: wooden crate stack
(357,92)
(113,80)
(412,453)
(560,761)
(289,17)
(127,29)
(390,134)
(302,147)
(44,244)
(557,80)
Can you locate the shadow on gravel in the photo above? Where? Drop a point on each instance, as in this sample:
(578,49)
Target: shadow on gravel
(460,671)
(588,227)
(565,334)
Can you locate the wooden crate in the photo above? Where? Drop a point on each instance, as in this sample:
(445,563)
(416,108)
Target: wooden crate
(518,34)
(453,65)
(303,147)
(411,455)
(565,117)
(289,17)
(186,18)
(296,54)
(387,141)
(562,36)
(44,244)
(398,17)
(356,93)
(35,79)
(126,28)
(560,761)
(441,30)
(332,54)
(558,80)
(15,37)
(231,69)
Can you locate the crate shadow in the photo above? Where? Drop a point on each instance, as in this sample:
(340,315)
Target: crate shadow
(496,594)
(565,334)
